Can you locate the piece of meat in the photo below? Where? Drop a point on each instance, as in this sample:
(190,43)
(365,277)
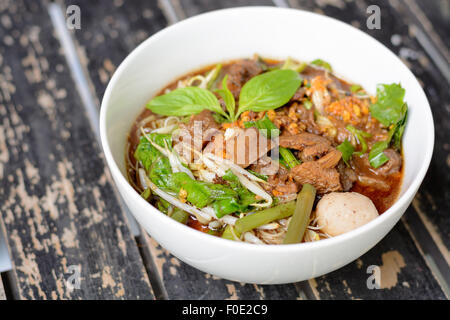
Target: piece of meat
(331,159)
(347,175)
(362,164)
(239,73)
(244,147)
(279,181)
(299,94)
(325,180)
(302,140)
(196,134)
(306,117)
(206,122)
(266,166)
(373,182)
(312,152)
(393,165)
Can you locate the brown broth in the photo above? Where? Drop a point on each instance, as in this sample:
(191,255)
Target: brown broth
(383,200)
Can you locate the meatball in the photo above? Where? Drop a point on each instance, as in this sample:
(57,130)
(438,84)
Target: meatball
(340,212)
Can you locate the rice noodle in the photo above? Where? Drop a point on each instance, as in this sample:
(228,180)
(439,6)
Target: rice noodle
(269,226)
(165,130)
(272,236)
(210,211)
(256,189)
(250,237)
(229,220)
(287,197)
(232,165)
(215,224)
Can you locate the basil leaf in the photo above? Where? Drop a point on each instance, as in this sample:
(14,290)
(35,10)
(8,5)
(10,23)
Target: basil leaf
(227,97)
(185,101)
(376,155)
(323,64)
(347,150)
(268,91)
(389,106)
(220,118)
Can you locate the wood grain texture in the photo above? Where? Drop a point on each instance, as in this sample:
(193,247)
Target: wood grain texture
(185,282)
(193,7)
(57,203)
(109,32)
(403,273)
(2,291)
(435,18)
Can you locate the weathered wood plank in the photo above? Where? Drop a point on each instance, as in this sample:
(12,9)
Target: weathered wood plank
(395,33)
(179,279)
(110,32)
(2,291)
(403,273)
(193,7)
(58,205)
(435,19)
(183,281)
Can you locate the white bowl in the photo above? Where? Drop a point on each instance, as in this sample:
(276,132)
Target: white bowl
(277,33)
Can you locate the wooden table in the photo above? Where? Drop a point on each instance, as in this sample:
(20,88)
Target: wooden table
(61,213)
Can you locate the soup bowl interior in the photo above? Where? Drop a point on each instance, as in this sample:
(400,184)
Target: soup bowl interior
(273,33)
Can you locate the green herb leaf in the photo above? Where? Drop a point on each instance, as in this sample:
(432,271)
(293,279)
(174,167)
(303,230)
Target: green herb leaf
(269,129)
(185,101)
(268,91)
(146,153)
(355,88)
(360,136)
(389,106)
(146,193)
(227,97)
(266,127)
(220,118)
(292,65)
(347,151)
(307,104)
(224,199)
(376,155)
(262,64)
(400,128)
(212,76)
(259,175)
(323,64)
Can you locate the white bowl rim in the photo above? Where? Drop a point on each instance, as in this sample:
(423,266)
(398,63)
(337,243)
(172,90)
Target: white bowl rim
(238,245)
